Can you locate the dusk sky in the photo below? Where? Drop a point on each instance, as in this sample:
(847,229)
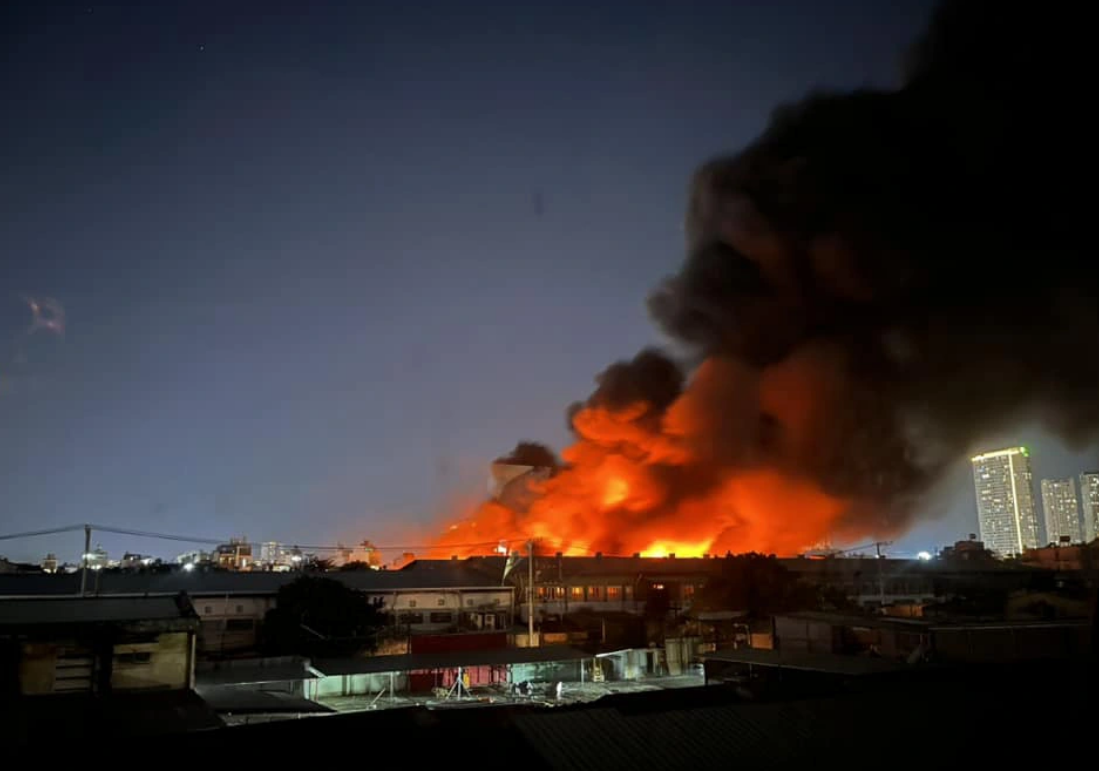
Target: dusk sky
(321,262)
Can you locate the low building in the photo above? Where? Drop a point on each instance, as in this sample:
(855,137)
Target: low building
(950,641)
(97,645)
(232,605)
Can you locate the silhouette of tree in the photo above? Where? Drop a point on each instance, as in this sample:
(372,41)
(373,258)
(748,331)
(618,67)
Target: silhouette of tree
(759,585)
(320,617)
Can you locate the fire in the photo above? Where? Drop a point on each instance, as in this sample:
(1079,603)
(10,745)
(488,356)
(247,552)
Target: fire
(618,490)
(657,481)
(679,549)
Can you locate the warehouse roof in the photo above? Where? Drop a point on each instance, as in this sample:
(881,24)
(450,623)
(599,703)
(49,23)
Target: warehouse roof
(825,663)
(91,610)
(221,582)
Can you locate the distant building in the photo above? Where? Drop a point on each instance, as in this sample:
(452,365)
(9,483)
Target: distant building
(7,566)
(49,564)
(1089,504)
(235,555)
(97,558)
(364,553)
(279,558)
(132,561)
(1061,510)
(1004,487)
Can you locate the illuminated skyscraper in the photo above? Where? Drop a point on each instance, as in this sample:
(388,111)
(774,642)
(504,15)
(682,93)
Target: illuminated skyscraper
(1005,500)
(1089,503)
(1062,511)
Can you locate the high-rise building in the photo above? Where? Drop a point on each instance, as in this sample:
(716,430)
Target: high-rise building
(1089,504)
(1005,500)
(1062,511)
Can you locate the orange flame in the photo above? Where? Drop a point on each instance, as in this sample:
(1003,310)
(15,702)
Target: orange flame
(653,484)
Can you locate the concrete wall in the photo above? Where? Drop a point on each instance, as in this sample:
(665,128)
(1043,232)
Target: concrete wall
(37,666)
(354,685)
(162,663)
(230,623)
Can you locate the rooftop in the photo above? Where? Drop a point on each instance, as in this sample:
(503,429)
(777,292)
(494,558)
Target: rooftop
(218,582)
(91,610)
(826,663)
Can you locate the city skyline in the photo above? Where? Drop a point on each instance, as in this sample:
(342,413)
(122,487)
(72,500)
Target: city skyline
(277,292)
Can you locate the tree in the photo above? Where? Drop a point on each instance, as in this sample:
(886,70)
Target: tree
(761,586)
(355,565)
(320,617)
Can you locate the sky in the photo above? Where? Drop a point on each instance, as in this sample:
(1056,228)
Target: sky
(321,262)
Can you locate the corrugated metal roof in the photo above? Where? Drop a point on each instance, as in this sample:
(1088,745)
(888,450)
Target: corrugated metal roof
(200,583)
(248,701)
(90,610)
(811,662)
(449,660)
(231,673)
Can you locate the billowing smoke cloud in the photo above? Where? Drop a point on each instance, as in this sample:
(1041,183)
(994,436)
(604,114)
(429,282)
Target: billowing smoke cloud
(902,268)
(878,281)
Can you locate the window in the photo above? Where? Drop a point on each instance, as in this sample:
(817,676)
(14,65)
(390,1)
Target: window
(576,592)
(542,592)
(442,618)
(412,618)
(594,592)
(469,603)
(628,590)
(240,608)
(238,625)
(558,592)
(412,603)
(134,657)
(208,610)
(689,590)
(614,592)
(442,601)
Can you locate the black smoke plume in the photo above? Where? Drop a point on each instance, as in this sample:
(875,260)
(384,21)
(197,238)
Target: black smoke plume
(914,263)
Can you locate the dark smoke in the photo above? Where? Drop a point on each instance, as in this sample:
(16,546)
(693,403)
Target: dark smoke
(915,259)
(529,453)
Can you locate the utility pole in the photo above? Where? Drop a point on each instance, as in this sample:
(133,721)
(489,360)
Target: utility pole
(530,593)
(881,579)
(84,558)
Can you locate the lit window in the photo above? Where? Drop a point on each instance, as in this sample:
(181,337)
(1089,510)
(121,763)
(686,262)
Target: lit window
(577,592)
(614,592)
(593,592)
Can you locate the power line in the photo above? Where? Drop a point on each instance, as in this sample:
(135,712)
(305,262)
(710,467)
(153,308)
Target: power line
(429,547)
(35,533)
(162,536)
